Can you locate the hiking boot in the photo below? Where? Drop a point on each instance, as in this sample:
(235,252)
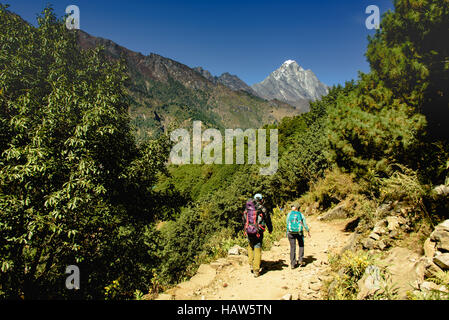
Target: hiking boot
(295,265)
(256,274)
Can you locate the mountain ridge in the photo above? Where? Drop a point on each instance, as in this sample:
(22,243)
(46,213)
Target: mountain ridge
(167,94)
(231,81)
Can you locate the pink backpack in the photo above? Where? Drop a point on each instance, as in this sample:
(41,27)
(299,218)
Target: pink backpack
(253,219)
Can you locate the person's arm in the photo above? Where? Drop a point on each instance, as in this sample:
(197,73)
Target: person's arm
(305,224)
(286,223)
(268,219)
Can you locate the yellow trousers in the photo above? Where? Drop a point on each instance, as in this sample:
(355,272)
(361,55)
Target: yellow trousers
(254,258)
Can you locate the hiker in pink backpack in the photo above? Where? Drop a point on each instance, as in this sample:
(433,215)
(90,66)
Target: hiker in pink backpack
(257,220)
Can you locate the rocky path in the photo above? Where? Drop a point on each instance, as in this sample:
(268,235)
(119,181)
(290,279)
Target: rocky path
(230,278)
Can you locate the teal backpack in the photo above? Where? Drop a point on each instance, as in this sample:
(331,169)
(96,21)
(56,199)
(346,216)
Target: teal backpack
(294,222)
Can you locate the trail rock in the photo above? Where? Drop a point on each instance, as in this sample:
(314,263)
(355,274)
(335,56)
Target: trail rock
(370,282)
(441,236)
(315,286)
(339,212)
(237,250)
(374,236)
(393,223)
(443,225)
(379,230)
(288,296)
(352,243)
(442,260)
(234,251)
(394,234)
(381,224)
(430,268)
(443,245)
(402,221)
(381,245)
(326,278)
(420,269)
(429,286)
(443,289)
(368,244)
(429,248)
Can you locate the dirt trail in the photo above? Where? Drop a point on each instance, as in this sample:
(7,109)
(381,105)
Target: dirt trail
(230,278)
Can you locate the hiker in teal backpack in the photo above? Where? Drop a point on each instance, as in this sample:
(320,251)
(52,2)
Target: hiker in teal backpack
(296,223)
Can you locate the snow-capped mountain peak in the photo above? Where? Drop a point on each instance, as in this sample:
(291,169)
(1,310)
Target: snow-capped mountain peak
(288,62)
(292,84)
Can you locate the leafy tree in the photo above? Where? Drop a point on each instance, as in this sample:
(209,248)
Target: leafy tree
(381,122)
(370,128)
(75,189)
(410,55)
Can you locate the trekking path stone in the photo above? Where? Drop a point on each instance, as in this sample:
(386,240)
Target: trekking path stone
(230,278)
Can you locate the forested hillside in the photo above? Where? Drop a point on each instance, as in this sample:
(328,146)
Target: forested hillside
(76,188)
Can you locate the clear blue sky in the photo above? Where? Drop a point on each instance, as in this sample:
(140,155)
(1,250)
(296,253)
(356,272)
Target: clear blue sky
(247,38)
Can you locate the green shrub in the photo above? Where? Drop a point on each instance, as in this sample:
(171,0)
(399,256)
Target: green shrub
(330,190)
(349,268)
(403,185)
(220,243)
